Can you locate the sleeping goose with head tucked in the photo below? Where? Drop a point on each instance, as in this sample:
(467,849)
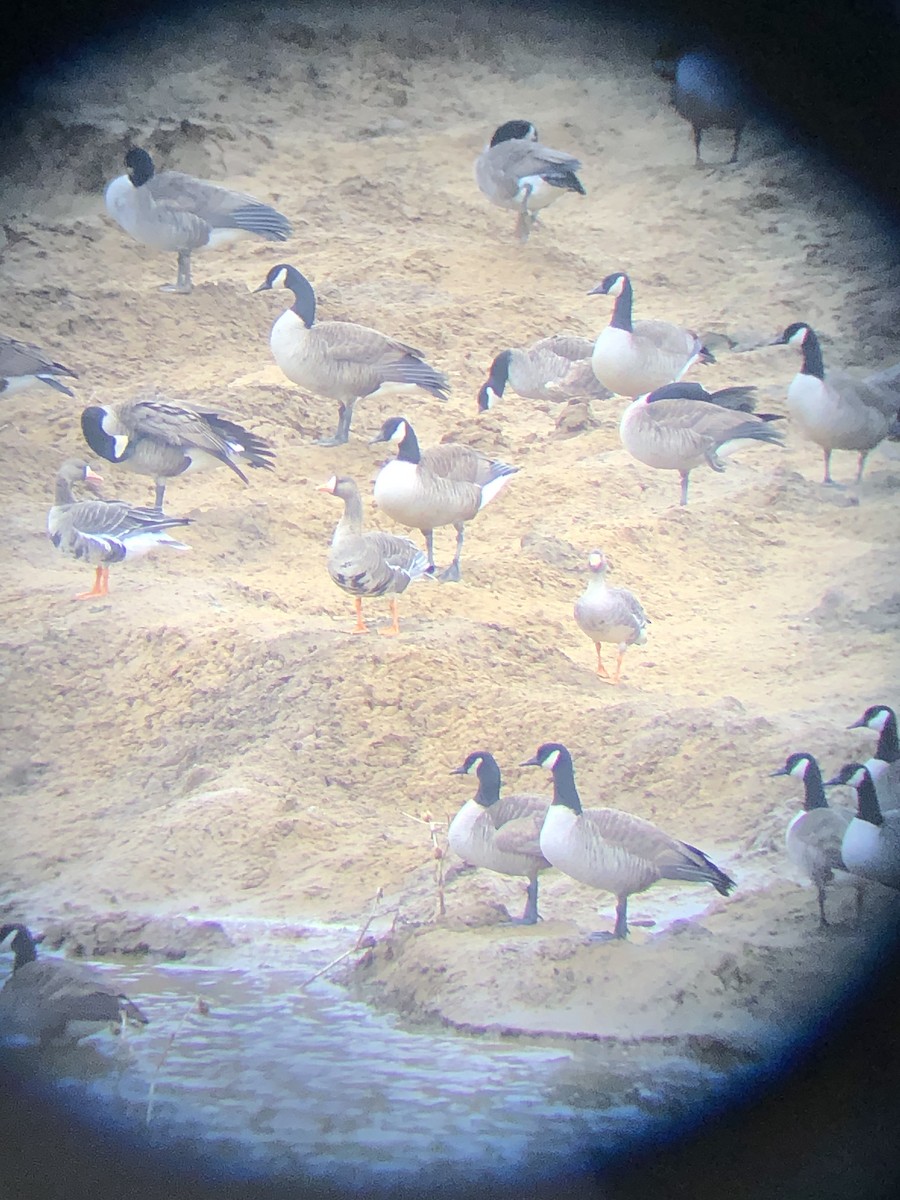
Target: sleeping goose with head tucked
(556,368)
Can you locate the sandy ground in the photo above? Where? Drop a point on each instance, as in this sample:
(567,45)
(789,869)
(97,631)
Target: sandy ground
(211,742)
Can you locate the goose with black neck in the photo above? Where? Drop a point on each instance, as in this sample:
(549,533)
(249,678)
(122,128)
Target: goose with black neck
(871,845)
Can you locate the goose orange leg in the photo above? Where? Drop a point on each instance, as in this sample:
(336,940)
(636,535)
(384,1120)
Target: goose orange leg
(101,585)
(361,626)
(601,670)
(394,629)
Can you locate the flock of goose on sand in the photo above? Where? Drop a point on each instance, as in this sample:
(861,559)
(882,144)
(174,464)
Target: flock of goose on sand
(668,423)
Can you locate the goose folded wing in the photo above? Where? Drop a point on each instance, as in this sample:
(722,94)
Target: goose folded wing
(668,338)
(360,344)
(458,463)
(177,426)
(521,836)
(22,358)
(567,345)
(112,520)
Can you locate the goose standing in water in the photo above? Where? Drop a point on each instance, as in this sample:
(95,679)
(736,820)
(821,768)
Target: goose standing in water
(515,171)
(871,845)
(102,532)
(174,212)
(634,357)
(814,836)
(339,359)
(609,849)
(150,435)
(54,1000)
(502,834)
(834,409)
(22,364)
(446,485)
(609,614)
(681,426)
(556,368)
(369,563)
(884,765)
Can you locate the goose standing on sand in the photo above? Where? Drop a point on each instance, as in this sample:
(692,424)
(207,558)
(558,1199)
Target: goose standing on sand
(884,765)
(500,834)
(871,845)
(814,836)
(22,364)
(150,435)
(681,426)
(609,849)
(555,368)
(54,1000)
(634,357)
(101,532)
(706,92)
(369,563)
(836,410)
(609,614)
(339,359)
(174,212)
(447,485)
(515,171)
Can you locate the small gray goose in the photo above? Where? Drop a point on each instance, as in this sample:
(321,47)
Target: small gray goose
(609,614)
(339,359)
(706,92)
(834,409)
(446,485)
(22,364)
(871,845)
(610,849)
(175,212)
(53,1000)
(681,426)
(502,834)
(101,532)
(154,436)
(555,368)
(369,563)
(515,171)
(884,765)
(633,357)
(814,836)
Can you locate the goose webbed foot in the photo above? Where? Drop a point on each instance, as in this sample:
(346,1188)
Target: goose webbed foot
(342,432)
(394,628)
(602,935)
(100,588)
(182,284)
(530,915)
(360,626)
(451,574)
(601,669)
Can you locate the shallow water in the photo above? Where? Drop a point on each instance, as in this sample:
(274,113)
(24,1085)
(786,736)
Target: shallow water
(280,1080)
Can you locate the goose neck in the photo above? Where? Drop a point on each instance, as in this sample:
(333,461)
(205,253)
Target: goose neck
(304,299)
(621,313)
(814,790)
(408,450)
(488,784)
(564,790)
(812,357)
(23,946)
(867,802)
(888,748)
(499,376)
(352,520)
(63,492)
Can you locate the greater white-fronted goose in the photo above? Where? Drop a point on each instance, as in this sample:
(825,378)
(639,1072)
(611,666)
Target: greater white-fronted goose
(177,213)
(555,368)
(707,92)
(22,364)
(871,845)
(610,849)
(515,171)
(814,836)
(339,359)
(101,532)
(884,765)
(609,614)
(634,357)
(369,563)
(446,485)
(53,1000)
(681,426)
(502,834)
(154,436)
(836,410)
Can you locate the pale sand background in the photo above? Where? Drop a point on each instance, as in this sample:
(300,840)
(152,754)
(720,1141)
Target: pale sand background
(211,742)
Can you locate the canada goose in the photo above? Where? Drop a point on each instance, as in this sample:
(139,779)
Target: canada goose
(813,838)
(634,357)
(371,563)
(706,92)
(52,999)
(153,436)
(502,835)
(871,845)
(339,359)
(555,368)
(446,485)
(104,531)
(680,426)
(610,849)
(175,212)
(609,614)
(884,765)
(515,171)
(22,364)
(836,410)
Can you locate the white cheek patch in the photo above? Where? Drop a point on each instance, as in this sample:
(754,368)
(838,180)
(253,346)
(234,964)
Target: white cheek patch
(798,338)
(473,766)
(490,396)
(280,279)
(595,561)
(856,778)
(879,719)
(6,944)
(618,286)
(120,445)
(800,768)
(551,760)
(399,433)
